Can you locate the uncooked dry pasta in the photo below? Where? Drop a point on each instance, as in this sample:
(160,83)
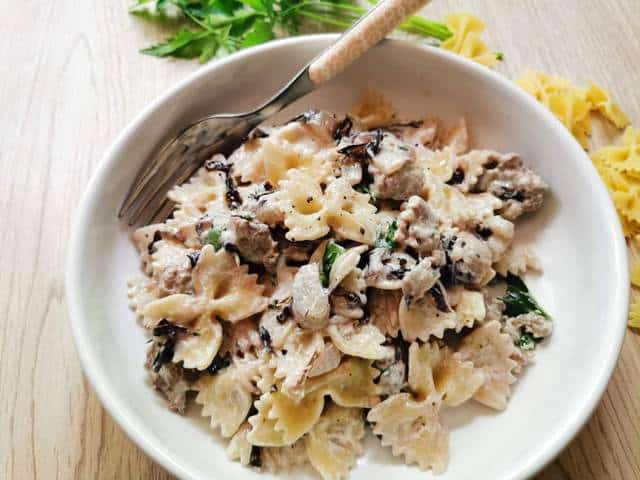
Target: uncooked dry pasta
(337,269)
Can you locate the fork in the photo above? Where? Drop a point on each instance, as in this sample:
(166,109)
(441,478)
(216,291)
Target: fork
(180,158)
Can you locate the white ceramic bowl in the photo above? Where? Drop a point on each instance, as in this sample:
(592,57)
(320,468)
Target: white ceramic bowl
(576,235)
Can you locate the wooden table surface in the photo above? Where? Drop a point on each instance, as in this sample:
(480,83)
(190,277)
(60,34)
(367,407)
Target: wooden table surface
(71,79)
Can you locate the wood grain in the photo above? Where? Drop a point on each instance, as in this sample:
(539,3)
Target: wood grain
(71,79)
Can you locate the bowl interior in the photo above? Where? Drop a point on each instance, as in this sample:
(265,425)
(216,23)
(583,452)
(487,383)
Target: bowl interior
(576,236)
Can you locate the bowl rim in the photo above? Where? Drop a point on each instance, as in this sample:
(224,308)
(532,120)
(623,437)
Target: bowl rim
(113,404)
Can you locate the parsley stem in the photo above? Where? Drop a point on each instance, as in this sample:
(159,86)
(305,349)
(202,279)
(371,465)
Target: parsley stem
(325,12)
(193,18)
(237,19)
(324,19)
(424,26)
(328,6)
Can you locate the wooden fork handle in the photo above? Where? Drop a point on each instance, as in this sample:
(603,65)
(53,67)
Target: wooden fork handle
(368,31)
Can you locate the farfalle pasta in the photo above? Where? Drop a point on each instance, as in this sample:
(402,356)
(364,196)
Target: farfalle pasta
(335,442)
(573,105)
(225,400)
(311,213)
(466,41)
(341,268)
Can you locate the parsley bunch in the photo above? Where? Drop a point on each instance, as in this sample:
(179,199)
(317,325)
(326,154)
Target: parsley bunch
(207,29)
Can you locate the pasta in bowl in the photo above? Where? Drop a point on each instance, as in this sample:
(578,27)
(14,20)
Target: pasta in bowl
(585,291)
(338,273)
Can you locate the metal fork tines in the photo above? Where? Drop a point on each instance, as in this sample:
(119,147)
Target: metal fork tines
(177,161)
(181,158)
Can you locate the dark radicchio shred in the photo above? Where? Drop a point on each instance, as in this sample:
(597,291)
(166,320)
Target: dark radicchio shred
(483,232)
(343,128)
(203,224)
(457,177)
(193,258)
(231,248)
(363,151)
(218,364)
(491,164)
(266,338)
(232,194)
(438,295)
(366,316)
(255,459)
(166,348)
(447,271)
(165,354)
(168,329)
(284,314)
(375,145)
(511,195)
(357,151)
(217,166)
(354,300)
(397,274)
(412,124)
(156,238)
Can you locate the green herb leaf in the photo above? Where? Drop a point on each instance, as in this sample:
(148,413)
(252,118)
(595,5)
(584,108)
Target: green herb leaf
(500,56)
(184,44)
(527,342)
(213,28)
(244,215)
(366,188)
(260,32)
(331,253)
(387,239)
(257,5)
(518,300)
(213,237)
(158,12)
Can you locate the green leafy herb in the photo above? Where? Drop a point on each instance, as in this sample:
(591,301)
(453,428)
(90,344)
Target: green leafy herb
(500,56)
(387,239)
(213,28)
(527,342)
(518,300)
(366,188)
(213,237)
(245,216)
(331,253)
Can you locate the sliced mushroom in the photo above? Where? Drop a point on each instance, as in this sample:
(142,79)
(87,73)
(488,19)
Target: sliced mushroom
(310,299)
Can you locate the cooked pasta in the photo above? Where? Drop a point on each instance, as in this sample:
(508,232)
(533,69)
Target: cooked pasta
(334,269)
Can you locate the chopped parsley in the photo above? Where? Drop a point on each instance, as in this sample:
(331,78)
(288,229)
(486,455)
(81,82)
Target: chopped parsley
(518,300)
(366,188)
(387,239)
(213,237)
(331,253)
(527,342)
(245,216)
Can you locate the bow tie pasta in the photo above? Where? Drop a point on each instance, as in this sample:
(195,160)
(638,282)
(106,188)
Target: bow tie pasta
(341,268)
